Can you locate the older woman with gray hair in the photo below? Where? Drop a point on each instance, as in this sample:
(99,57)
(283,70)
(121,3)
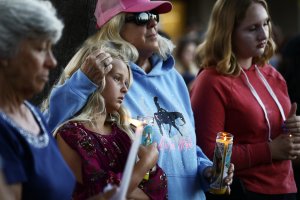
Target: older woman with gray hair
(32,164)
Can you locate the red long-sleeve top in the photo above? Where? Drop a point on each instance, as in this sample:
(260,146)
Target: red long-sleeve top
(225,103)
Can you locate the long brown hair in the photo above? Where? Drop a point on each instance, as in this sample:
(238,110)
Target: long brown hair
(216,50)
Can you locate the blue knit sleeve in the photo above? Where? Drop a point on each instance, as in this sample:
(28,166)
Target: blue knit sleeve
(203,162)
(67,99)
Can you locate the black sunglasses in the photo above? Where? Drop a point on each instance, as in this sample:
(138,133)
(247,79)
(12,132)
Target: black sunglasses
(142,18)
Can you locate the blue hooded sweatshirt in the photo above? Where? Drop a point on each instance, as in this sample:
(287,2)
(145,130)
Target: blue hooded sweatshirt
(163,95)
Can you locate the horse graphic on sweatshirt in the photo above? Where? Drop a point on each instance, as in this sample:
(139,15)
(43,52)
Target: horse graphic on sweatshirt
(169,118)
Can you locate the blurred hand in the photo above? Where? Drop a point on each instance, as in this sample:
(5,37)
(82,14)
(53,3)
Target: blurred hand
(229,178)
(208,175)
(105,195)
(287,146)
(96,66)
(148,155)
(293,121)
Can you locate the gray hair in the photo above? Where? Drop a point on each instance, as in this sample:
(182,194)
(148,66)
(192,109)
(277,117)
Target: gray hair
(26,19)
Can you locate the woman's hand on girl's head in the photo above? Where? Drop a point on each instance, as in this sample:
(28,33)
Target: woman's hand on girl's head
(96,66)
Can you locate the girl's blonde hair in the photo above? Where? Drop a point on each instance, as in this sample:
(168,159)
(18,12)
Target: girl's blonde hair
(110,31)
(95,104)
(216,50)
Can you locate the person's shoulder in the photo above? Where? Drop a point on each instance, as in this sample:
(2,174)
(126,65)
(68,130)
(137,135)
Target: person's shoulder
(73,133)
(271,72)
(213,76)
(209,72)
(70,128)
(211,79)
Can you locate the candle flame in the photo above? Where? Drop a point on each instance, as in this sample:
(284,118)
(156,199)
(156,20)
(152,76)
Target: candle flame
(225,138)
(135,122)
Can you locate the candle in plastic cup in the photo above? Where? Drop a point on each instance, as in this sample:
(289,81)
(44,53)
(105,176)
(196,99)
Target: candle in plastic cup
(148,123)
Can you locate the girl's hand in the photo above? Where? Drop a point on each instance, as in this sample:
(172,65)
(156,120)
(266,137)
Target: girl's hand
(105,195)
(148,155)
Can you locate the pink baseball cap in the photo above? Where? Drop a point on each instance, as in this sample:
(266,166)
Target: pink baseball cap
(107,9)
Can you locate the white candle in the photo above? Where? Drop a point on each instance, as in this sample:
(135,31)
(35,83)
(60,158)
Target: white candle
(121,194)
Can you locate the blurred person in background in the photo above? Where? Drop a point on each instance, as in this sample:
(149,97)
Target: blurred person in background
(185,57)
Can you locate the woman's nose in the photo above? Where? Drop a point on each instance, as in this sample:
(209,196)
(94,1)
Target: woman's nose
(263,33)
(152,23)
(50,60)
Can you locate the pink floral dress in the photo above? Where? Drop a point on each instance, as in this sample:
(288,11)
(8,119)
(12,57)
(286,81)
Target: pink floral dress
(103,161)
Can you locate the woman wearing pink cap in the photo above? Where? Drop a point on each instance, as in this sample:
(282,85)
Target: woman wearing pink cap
(158,90)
